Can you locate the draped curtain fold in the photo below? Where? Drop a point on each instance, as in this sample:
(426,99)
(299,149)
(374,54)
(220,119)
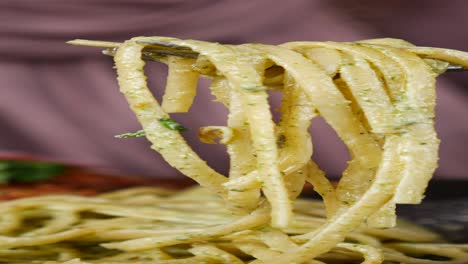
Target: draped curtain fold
(62,102)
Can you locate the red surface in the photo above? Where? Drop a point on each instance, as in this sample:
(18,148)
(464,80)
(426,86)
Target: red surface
(78,180)
(84,182)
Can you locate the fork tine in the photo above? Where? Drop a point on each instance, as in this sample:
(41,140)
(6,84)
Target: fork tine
(154,55)
(455,68)
(163,44)
(168,48)
(94,43)
(173,53)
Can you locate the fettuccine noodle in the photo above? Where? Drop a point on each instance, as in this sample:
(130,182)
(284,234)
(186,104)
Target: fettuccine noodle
(379,97)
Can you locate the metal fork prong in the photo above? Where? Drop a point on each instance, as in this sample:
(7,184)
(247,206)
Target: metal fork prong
(174,53)
(454,68)
(146,55)
(168,48)
(163,44)
(155,54)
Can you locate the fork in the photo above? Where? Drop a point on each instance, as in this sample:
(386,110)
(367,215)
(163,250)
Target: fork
(156,50)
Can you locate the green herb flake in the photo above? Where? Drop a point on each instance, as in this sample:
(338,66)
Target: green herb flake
(171,124)
(137,134)
(28,171)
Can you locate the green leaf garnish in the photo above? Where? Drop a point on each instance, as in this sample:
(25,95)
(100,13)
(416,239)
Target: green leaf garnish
(165,121)
(137,134)
(28,171)
(171,124)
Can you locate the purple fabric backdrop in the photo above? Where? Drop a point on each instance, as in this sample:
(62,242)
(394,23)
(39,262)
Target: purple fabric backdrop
(62,102)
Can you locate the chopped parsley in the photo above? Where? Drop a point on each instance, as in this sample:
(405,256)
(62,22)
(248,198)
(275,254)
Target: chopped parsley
(171,124)
(28,171)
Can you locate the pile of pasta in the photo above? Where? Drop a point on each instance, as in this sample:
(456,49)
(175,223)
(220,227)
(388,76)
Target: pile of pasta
(152,225)
(379,97)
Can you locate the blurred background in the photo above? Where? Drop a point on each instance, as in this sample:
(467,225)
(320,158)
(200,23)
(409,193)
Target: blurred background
(62,102)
